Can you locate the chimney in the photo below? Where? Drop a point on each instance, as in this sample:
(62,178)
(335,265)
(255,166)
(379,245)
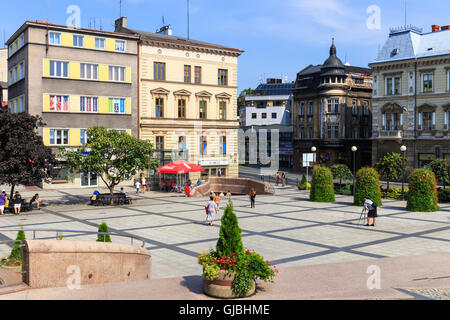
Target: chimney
(120,23)
(445,28)
(435,28)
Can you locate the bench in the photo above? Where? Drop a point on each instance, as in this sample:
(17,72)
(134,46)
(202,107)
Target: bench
(107,199)
(25,207)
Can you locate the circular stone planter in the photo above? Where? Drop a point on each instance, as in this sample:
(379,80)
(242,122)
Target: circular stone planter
(17,269)
(221,287)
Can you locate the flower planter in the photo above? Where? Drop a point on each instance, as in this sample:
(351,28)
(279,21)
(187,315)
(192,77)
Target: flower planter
(16,269)
(221,287)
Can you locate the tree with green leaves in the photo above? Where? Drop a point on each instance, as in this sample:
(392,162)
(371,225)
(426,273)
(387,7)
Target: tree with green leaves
(390,167)
(114,156)
(322,187)
(422,195)
(24,160)
(441,169)
(341,172)
(103,227)
(230,240)
(16,251)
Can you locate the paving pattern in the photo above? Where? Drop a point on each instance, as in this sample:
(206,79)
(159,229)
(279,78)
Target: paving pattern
(285,228)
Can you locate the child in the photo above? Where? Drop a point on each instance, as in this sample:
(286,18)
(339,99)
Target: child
(138,186)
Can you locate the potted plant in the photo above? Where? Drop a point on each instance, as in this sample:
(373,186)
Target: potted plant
(230,271)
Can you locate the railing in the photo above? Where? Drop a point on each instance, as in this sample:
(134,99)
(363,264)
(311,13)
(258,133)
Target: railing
(396,134)
(58,231)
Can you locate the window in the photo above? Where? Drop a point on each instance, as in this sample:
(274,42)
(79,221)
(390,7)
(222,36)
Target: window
(187,73)
(198,75)
(302,133)
(310,133)
(117,105)
(427,120)
(254,116)
(333,132)
(100,43)
(11,79)
(223,77)
(54,38)
(354,133)
(83,136)
(310,108)
(203,146)
(274,115)
(120,45)
(333,105)
(222,110)
(202,109)
(392,121)
(59,103)
(89,71)
(21,69)
(159,143)
(427,82)
(182,108)
(59,69)
(365,108)
(354,107)
(182,143)
(393,86)
(89,104)
(116,73)
(223,144)
(264,115)
(21,105)
(159,108)
(448,80)
(159,71)
(89,179)
(78,41)
(59,137)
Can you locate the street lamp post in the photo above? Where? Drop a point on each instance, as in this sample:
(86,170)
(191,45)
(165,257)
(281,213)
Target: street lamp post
(313,150)
(403,150)
(354,149)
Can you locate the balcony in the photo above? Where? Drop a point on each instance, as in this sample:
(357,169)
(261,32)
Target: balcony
(391,134)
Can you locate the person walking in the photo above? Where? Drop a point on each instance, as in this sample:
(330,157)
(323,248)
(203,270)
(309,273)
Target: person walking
(217,201)
(17,200)
(211,210)
(138,186)
(144,184)
(371,207)
(277,178)
(252,196)
(283,179)
(2,202)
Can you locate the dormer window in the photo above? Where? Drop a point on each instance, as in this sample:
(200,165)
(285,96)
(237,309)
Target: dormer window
(394,52)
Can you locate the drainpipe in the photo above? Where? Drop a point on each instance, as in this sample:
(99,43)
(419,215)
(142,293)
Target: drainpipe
(415,115)
(139,89)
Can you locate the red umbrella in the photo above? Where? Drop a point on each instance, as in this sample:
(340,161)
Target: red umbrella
(180,167)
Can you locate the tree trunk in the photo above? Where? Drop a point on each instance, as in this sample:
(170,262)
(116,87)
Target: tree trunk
(388,185)
(12,191)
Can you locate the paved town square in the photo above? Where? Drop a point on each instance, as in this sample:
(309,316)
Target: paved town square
(286,228)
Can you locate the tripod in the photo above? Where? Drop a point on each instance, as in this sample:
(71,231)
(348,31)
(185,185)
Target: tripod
(363,216)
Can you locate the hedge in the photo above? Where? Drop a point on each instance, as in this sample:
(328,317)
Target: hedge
(367,186)
(322,188)
(422,191)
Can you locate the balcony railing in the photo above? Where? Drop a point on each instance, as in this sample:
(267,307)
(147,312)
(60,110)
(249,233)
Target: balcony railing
(392,134)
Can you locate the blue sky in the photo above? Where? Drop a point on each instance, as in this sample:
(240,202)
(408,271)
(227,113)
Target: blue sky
(280,37)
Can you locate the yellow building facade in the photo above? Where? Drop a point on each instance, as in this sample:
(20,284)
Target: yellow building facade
(188,100)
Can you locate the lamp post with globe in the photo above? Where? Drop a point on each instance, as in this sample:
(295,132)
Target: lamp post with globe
(354,149)
(403,150)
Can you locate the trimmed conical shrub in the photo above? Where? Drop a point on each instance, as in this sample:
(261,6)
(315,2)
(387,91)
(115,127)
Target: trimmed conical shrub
(16,251)
(422,195)
(367,186)
(103,227)
(322,188)
(230,240)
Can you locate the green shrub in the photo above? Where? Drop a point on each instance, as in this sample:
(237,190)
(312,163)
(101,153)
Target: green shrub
(322,188)
(367,186)
(16,252)
(303,180)
(230,240)
(211,272)
(346,190)
(303,186)
(422,191)
(103,227)
(341,172)
(392,193)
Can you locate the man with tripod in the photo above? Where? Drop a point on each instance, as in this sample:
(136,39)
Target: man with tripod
(371,207)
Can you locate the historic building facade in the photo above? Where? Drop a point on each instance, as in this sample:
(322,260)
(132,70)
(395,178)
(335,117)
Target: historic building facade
(332,112)
(74,78)
(411,97)
(188,99)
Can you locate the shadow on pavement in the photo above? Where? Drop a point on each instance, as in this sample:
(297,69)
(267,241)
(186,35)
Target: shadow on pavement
(193,283)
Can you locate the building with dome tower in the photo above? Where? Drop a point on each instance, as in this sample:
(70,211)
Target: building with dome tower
(333,113)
